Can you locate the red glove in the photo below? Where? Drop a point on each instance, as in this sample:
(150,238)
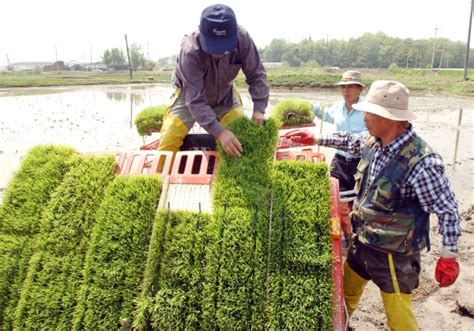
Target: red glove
(447,271)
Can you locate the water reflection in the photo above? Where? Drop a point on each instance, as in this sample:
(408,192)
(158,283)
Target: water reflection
(116,96)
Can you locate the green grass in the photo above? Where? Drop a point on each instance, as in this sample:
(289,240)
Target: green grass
(450,81)
(67,78)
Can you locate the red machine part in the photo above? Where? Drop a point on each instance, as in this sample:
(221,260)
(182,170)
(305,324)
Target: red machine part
(296,138)
(141,162)
(145,162)
(194,167)
(336,236)
(153,146)
(302,154)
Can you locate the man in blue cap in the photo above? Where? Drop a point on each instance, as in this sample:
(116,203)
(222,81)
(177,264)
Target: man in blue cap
(208,63)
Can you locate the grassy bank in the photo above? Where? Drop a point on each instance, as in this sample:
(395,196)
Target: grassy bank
(67,78)
(450,81)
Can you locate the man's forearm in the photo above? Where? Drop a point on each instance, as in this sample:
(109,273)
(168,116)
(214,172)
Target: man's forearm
(344,141)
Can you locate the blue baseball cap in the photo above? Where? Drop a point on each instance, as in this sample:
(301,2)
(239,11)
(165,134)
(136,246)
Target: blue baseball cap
(218,30)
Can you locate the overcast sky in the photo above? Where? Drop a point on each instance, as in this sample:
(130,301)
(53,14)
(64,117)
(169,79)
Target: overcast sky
(37,30)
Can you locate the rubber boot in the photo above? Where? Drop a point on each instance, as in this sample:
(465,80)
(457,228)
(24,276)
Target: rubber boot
(399,311)
(354,286)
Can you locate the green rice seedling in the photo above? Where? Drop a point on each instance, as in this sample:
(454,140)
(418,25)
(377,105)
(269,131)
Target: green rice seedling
(300,266)
(150,119)
(49,295)
(174,278)
(292,112)
(11,250)
(30,188)
(235,288)
(116,256)
(26,197)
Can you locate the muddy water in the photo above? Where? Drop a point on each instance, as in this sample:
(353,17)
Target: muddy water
(100,118)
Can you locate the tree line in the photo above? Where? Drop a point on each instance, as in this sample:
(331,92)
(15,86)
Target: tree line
(114,58)
(368,51)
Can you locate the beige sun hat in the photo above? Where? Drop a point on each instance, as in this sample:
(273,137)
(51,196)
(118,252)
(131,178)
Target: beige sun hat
(389,99)
(351,77)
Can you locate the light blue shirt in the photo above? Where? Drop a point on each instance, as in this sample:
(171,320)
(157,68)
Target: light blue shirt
(344,120)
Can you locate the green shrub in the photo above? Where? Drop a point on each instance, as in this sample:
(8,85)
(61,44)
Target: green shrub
(235,291)
(394,68)
(150,119)
(292,112)
(300,275)
(117,253)
(26,197)
(174,277)
(49,295)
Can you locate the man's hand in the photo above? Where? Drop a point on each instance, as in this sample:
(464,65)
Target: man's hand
(258,117)
(230,143)
(447,268)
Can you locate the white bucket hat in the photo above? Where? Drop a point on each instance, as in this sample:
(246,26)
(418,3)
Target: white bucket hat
(351,77)
(389,99)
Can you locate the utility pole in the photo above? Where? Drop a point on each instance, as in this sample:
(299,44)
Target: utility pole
(128,56)
(327,49)
(56,51)
(434,43)
(441,58)
(148,51)
(466,58)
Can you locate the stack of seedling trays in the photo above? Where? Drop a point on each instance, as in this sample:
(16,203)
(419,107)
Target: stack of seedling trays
(89,249)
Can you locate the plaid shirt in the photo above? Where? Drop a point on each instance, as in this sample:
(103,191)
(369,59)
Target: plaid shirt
(427,182)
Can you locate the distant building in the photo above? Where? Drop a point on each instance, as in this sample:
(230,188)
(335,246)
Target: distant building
(29,66)
(56,66)
(85,66)
(118,67)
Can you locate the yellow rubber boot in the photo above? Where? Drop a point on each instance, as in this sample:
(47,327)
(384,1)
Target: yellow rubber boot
(232,115)
(399,311)
(172,136)
(353,288)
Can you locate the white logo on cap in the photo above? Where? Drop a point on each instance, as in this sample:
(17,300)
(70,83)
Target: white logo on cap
(219,32)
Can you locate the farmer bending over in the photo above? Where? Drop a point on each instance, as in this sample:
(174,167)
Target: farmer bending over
(208,63)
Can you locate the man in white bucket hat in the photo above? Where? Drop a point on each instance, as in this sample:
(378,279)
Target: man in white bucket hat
(400,181)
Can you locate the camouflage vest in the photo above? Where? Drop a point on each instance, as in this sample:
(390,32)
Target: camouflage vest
(384,219)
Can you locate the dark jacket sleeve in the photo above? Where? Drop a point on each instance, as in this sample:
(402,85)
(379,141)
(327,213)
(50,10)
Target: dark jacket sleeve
(254,71)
